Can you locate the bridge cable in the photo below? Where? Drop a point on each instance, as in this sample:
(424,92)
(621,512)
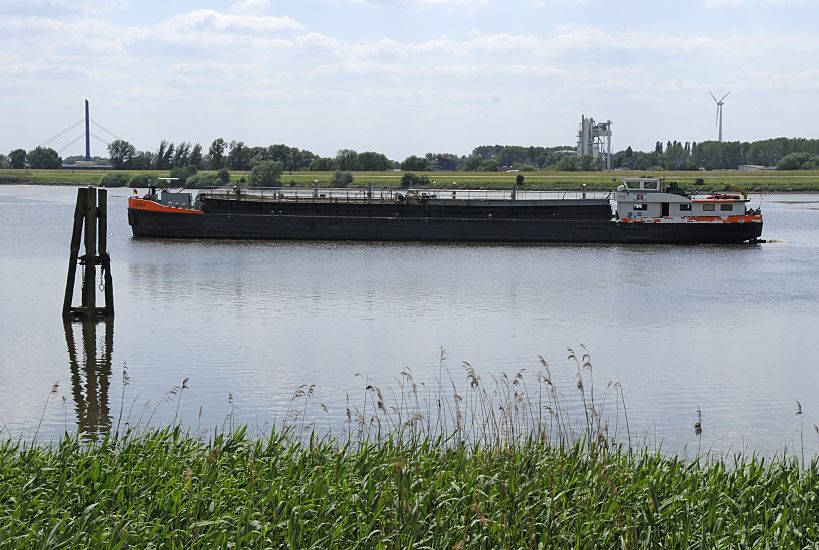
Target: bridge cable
(109,132)
(76,139)
(95,136)
(62,132)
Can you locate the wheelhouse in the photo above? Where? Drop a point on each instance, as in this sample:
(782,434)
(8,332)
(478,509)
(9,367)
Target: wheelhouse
(648,199)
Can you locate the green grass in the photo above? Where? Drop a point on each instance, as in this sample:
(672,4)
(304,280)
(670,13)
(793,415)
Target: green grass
(166,489)
(775,181)
(492,466)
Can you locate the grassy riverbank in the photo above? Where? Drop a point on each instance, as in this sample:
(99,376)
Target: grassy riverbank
(500,464)
(774,181)
(166,489)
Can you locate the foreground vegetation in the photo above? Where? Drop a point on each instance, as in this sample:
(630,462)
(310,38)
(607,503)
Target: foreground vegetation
(495,465)
(166,489)
(771,181)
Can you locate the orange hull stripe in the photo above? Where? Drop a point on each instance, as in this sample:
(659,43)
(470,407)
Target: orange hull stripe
(142,204)
(710,219)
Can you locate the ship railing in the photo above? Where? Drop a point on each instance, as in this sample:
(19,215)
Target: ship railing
(359,194)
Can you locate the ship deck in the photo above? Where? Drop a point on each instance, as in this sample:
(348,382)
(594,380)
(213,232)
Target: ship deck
(403,196)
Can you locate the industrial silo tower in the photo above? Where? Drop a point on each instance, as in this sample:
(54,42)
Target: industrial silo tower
(594,140)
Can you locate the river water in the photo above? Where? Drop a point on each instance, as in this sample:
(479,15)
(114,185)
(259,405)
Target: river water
(731,330)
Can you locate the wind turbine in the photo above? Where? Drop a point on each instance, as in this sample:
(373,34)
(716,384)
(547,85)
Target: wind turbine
(720,102)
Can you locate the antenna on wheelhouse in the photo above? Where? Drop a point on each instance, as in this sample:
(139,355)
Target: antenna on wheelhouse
(720,102)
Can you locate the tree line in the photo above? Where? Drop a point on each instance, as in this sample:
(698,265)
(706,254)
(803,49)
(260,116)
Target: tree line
(786,153)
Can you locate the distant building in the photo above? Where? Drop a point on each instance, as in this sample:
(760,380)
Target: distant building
(754,167)
(594,140)
(86,165)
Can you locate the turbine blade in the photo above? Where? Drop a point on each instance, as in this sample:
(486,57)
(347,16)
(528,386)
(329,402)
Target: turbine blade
(712,96)
(726,95)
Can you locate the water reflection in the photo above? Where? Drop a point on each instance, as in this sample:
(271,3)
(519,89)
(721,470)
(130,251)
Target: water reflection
(728,329)
(91,376)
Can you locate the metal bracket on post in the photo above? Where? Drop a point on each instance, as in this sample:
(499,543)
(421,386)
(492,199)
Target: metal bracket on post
(91,223)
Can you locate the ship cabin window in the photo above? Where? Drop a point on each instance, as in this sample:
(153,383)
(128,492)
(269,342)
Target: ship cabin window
(726,207)
(709,207)
(632,184)
(651,185)
(640,206)
(685,208)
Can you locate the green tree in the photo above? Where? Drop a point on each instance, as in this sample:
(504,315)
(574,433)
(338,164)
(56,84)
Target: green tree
(472,163)
(442,161)
(141,180)
(44,157)
(587,163)
(409,180)
(121,154)
(519,179)
(346,159)
(17,158)
(341,178)
(291,157)
(182,173)
(489,165)
(143,160)
(414,163)
(798,161)
(370,161)
(303,159)
(567,164)
(239,156)
(280,152)
(4,161)
(115,179)
(195,157)
(203,180)
(323,164)
(266,174)
(164,155)
(224,175)
(181,155)
(257,156)
(216,154)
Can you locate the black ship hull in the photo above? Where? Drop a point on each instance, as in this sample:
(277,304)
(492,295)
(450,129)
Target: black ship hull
(585,223)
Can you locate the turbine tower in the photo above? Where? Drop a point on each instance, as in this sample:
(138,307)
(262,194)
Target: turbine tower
(720,102)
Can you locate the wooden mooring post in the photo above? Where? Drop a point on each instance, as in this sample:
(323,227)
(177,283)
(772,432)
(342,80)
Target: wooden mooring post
(90,214)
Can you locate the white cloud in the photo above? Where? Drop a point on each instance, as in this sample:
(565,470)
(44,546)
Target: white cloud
(739,3)
(211,19)
(359,68)
(250,7)
(203,73)
(55,7)
(541,3)
(722,3)
(467,4)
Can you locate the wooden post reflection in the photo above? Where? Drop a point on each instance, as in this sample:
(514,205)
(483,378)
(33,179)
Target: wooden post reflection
(90,377)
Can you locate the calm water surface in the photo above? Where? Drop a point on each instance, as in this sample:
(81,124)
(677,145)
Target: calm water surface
(731,329)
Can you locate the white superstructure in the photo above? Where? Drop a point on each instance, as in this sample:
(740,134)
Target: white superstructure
(647,200)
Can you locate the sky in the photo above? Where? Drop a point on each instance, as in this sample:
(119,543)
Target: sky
(405,77)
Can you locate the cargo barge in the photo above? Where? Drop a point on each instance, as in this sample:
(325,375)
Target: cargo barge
(641,210)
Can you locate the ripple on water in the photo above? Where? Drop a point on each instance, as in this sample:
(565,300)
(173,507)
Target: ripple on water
(728,329)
